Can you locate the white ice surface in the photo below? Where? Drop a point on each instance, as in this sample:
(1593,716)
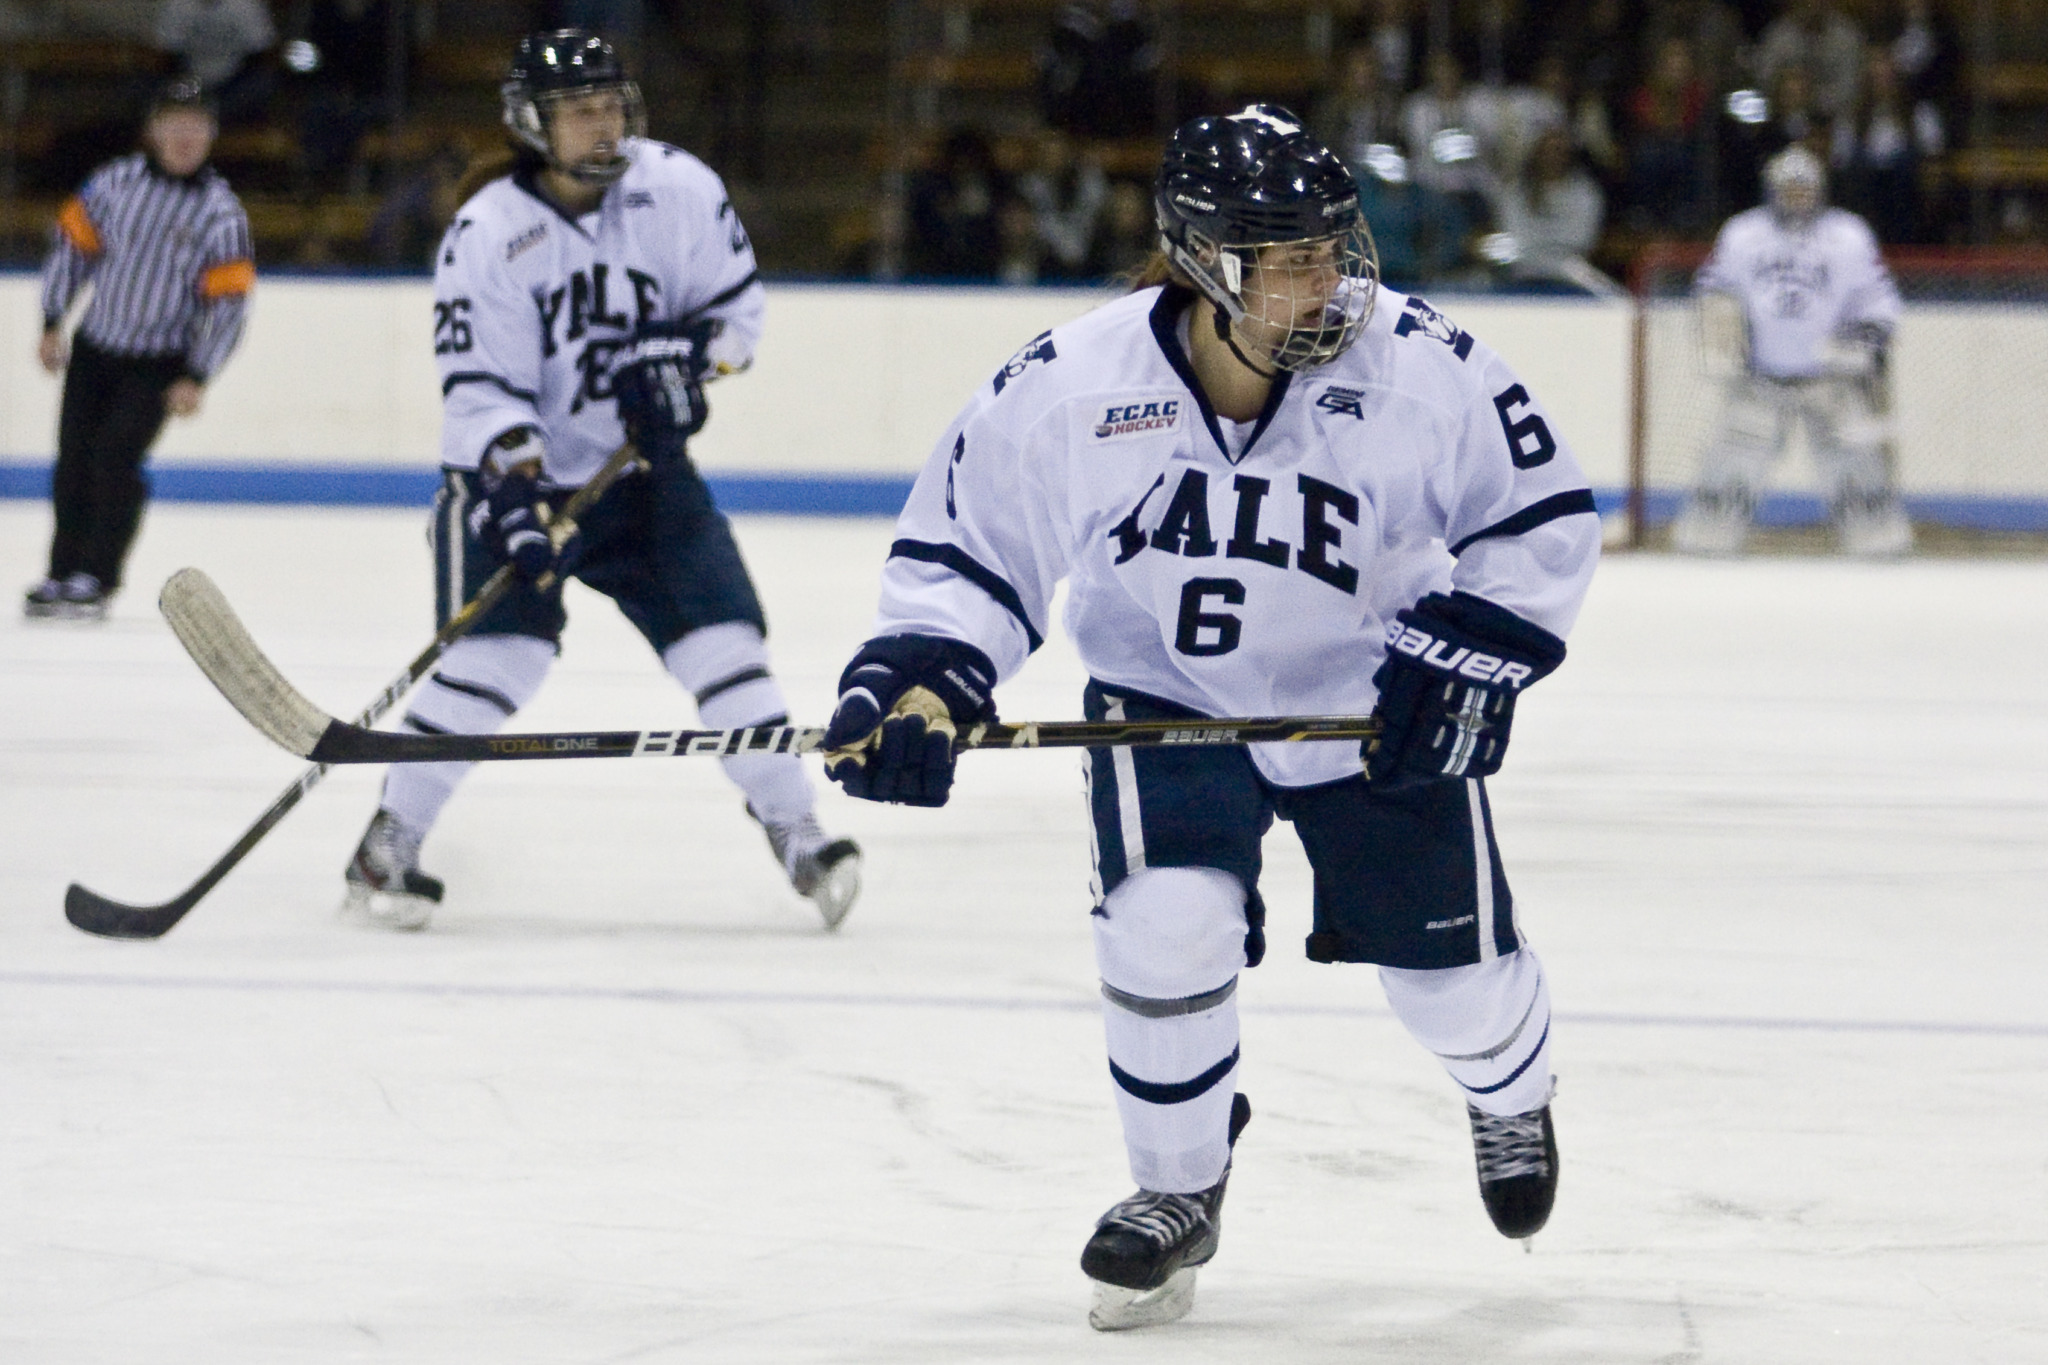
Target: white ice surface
(1777,829)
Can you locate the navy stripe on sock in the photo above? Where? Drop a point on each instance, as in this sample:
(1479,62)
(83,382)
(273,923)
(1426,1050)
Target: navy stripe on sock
(1154,1093)
(477,690)
(425,727)
(745,675)
(1516,1074)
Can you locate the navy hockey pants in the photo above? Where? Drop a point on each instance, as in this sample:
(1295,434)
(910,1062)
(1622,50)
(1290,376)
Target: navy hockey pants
(655,544)
(1410,878)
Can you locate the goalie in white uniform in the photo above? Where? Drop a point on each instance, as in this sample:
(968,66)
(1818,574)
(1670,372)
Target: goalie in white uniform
(580,299)
(1273,489)
(1797,311)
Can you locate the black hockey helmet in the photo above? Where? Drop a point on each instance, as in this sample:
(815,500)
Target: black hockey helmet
(1232,185)
(547,67)
(181,92)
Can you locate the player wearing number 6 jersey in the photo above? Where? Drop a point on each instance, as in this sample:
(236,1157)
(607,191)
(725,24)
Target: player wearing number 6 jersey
(1273,488)
(582,300)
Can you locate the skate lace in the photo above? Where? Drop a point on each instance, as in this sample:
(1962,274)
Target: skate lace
(1508,1146)
(1163,1219)
(389,851)
(796,843)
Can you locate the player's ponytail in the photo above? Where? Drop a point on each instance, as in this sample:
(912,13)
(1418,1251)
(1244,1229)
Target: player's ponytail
(500,161)
(1155,269)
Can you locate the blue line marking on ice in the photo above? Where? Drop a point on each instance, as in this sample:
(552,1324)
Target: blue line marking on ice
(373,485)
(1083,1004)
(796,493)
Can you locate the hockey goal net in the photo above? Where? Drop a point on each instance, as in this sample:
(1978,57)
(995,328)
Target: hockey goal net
(1968,371)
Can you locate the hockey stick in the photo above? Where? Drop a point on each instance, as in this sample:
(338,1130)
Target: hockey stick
(97,914)
(221,646)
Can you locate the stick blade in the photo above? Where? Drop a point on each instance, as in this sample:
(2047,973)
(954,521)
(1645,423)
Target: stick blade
(218,642)
(96,914)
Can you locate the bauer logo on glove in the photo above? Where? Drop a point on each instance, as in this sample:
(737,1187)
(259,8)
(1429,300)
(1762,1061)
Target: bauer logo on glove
(1457,659)
(1455,665)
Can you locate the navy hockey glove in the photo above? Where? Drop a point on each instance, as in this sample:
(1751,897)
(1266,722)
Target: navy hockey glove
(901,702)
(658,377)
(1447,690)
(511,520)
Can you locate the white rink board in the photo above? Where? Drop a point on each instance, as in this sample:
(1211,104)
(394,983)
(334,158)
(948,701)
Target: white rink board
(850,379)
(625,1102)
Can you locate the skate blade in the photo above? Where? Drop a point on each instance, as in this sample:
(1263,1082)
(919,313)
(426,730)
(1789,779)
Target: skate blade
(383,910)
(1117,1309)
(837,890)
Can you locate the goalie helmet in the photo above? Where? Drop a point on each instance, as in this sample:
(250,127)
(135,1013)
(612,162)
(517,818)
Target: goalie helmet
(1232,189)
(550,67)
(1795,185)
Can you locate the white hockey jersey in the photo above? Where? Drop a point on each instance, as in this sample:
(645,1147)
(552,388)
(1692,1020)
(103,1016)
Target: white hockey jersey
(529,306)
(1800,286)
(1239,569)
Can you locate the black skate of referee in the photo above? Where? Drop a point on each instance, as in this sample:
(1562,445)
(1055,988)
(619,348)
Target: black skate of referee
(166,246)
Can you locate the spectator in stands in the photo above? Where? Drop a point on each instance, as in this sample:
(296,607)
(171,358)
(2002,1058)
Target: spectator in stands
(1713,31)
(219,43)
(1451,130)
(1129,233)
(343,61)
(1876,154)
(1552,211)
(1067,192)
(1816,34)
(1358,109)
(1668,124)
(955,212)
(1527,112)
(1928,54)
(1422,236)
(1394,32)
(410,221)
(1788,115)
(1099,71)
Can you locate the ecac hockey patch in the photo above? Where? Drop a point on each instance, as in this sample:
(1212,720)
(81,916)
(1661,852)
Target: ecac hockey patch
(1137,419)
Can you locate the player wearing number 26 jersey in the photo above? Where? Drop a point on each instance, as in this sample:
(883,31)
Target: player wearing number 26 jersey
(581,301)
(1272,488)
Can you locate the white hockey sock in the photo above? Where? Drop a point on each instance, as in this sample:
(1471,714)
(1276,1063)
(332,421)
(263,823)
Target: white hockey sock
(1175,1074)
(1489,1024)
(1170,942)
(479,683)
(725,667)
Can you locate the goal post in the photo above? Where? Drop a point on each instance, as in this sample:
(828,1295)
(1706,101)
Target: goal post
(1968,384)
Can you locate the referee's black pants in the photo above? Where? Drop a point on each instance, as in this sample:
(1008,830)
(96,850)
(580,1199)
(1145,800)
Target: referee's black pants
(113,410)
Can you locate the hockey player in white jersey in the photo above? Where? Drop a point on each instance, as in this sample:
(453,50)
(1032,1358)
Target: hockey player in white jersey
(582,299)
(1273,489)
(1797,312)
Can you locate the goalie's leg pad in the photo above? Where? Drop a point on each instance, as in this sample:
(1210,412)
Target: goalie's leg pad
(1169,944)
(480,682)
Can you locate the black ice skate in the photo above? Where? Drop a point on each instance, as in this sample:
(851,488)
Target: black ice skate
(385,884)
(1146,1249)
(1517,1158)
(825,871)
(77,598)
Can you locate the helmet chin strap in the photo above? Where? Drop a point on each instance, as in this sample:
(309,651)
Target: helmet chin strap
(1227,334)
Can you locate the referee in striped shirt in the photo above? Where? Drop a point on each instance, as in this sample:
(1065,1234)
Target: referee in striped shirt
(165,244)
